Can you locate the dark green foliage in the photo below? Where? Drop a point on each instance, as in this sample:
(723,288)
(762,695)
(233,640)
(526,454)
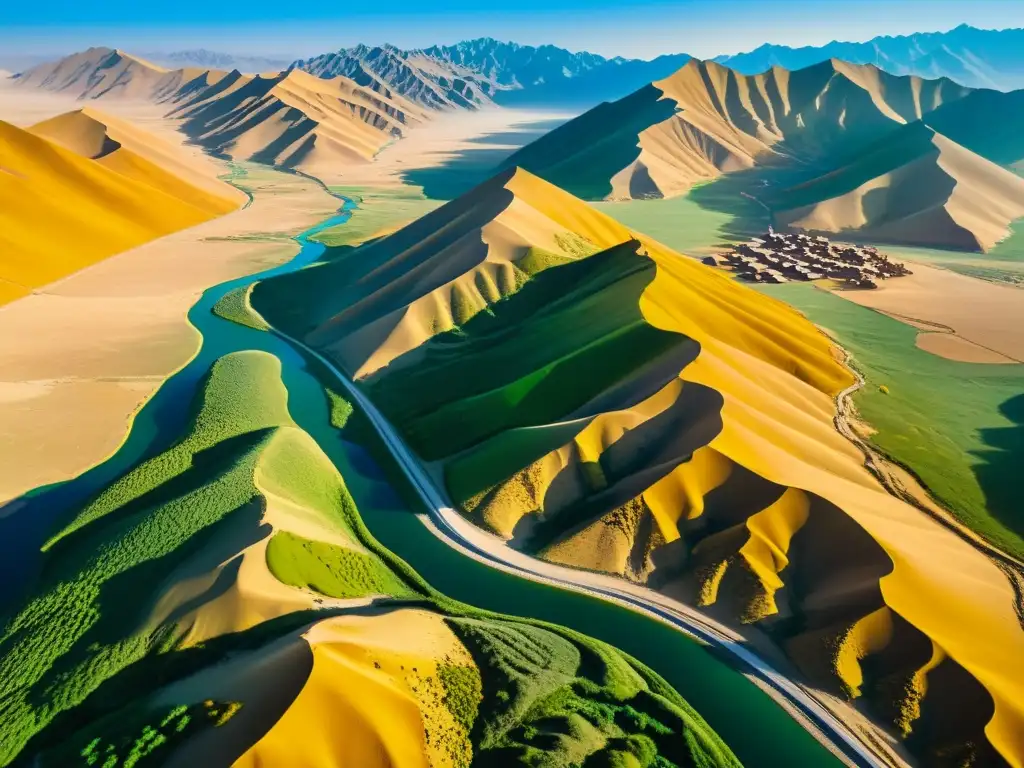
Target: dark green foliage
(79,659)
(570,332)
(556,698)
(234,306)
(87,618)
(135,736)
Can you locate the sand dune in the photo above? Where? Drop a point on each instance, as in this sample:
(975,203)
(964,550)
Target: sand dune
(628,410)
(122,146)
(90,209)
(296,120)
(109,73)
(363,680)
(707,120)
(833,147)
(921,189)
(352,674)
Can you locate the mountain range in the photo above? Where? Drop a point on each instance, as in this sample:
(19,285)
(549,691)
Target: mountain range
(200,57)
(833,147)
(485,70)
(525,75)
(599,401)
(829,148)
(416,76)
(981,58)
(290,119)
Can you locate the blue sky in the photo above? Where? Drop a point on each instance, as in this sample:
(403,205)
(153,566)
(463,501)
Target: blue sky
(638,28)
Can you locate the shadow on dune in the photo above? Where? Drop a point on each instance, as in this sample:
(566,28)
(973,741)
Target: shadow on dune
(476,162)
(1001,464)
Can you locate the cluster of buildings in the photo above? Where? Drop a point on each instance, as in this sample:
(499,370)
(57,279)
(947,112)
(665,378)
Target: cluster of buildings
(778,258)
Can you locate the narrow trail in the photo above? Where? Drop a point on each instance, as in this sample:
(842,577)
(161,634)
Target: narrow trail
(887,471)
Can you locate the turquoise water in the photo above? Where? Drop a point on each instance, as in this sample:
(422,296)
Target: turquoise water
(758,731)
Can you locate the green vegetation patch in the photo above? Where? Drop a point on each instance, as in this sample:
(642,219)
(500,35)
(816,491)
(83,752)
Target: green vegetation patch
(379,209)
(553,697)
(242,395)
(87,619)
(340,409)
(234,306)
(463,692)
(958,426)
(331,569)
(571,332)
(489,463)
(688,226)
(537,260)
(136,736)
(1014,277)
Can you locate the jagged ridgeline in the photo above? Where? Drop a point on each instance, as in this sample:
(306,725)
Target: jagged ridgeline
(834,147)
(222,603)
(290,119)
(605,403)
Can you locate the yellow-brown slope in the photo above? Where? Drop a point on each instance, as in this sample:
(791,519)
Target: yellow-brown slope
(716,477)
(726,121)
(138,155)
(297,120)
(707,120)
(107,73)
(60,212)
(937,194)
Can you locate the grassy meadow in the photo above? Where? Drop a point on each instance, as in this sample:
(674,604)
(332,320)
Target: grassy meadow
(687,223)
(380,210)
(958,426)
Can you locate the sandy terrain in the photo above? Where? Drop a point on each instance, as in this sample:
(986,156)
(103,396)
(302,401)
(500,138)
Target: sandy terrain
(437,142)
(342,123)
(953,347)
(371,675)
(79,356)
(943,195)
(982,313)
(97,134)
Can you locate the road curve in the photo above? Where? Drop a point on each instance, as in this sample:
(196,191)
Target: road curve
(459,533)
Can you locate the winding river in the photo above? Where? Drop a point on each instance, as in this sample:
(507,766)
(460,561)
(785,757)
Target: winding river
(759,731)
